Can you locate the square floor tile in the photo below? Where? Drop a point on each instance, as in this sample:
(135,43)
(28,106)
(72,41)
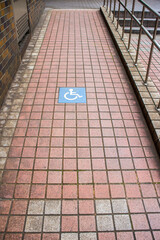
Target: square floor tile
(122,222)
(53,207)
(51,224)
(36,207)
(105,223)
(103,206)
(34,224)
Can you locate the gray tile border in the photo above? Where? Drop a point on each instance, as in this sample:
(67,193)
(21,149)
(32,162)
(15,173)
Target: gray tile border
(105,223)
(36,207)
(122,222)
(51,224)
(119,206)
(88,236)
(34,224)
(53,207)
(103,206)
(69,236)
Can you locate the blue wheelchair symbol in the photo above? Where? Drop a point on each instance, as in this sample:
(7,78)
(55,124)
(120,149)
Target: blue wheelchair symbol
(72,95)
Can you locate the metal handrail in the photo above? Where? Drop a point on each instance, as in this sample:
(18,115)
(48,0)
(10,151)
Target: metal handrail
(152,38)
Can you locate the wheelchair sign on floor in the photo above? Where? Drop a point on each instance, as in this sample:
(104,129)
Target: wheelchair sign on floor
(72,95)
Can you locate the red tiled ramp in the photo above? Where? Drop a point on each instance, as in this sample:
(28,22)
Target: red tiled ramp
(77,171)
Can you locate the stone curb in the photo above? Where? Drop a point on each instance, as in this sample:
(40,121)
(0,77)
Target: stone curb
(148,95)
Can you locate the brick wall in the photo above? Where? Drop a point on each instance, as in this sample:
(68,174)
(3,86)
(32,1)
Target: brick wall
(9,51)
(35,8)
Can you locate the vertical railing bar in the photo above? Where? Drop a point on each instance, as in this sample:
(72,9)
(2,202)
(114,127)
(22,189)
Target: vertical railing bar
(118,13)
(124,22)
(129,41)
(107,5)
(140,34)
(114,10)
(104,2)
(110,8)
(151,51)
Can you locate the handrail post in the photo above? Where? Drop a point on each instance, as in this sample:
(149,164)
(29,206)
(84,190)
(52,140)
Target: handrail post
(114,10)
(124,21)
(110,8)
(104,2)
(151,51)
(129,41)
(140,34)
(107,5)
(118,13)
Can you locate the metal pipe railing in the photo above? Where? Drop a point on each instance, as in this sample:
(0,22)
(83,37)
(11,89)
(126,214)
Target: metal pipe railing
(112,9)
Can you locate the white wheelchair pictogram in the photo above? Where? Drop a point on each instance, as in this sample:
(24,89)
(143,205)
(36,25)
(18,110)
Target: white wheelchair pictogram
(71,95)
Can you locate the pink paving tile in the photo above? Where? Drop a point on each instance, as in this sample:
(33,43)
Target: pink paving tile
(19,207)
(125,236)
(15,152)
(69,191)
(100,177)
(39,177)
(5,206)
(69,177)
(85,176)
(22,191)
(85,191)
(132,191)
(54,191)
(41,164)
(12,163)
(42,152)
(30,142)
(129,176)
(32,236)
(3,222)
(151,205)
(87,223)
(9,176)
(140,222)
(28,152)
(98,164)
(136,206)
(6,190)
(154,220)
(43,142)
(117,191)
(24,177)
(51,236)
(148,190)
(69,223)
(102,191)
(16,224)
(115,177)
(26,163)
(54,177)
(143,235)
(69,152)
(86,207)
(13,236)
(38,191)
(56,153)
(69,164)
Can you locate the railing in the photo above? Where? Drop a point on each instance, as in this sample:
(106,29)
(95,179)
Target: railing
(111,6)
